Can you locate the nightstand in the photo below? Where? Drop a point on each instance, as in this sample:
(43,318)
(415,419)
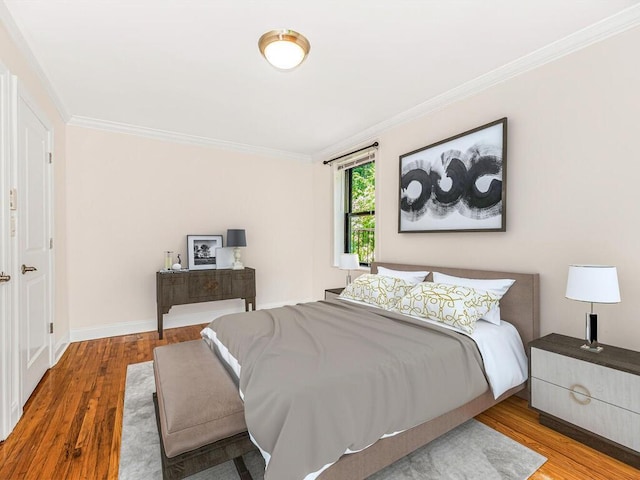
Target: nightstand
(331,293)
(591,397)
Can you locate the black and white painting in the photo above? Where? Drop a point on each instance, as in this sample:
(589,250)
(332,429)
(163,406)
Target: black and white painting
(457,184)
(202,251)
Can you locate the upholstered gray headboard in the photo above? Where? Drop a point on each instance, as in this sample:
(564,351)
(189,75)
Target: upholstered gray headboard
(519,306)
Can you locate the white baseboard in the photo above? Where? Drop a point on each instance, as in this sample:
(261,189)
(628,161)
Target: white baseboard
(60,347)
(150,325)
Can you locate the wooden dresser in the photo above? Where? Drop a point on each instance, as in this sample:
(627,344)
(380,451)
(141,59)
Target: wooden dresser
(196,286)
(591,397)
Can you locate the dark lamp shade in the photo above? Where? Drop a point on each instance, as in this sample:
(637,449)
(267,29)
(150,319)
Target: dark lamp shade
(236,238)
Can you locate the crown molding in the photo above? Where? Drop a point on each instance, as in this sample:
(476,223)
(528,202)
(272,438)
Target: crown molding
(622,21)
(157,134)
(14,32)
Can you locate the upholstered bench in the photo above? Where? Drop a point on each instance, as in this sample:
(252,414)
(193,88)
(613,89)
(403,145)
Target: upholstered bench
(199,412)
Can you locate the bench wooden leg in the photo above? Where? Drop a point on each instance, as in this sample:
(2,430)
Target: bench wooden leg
(242,469)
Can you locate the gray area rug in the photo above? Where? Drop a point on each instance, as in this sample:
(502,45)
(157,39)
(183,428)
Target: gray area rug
(471,451)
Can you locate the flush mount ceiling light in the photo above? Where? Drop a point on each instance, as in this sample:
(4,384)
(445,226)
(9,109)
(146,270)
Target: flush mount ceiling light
(283,48)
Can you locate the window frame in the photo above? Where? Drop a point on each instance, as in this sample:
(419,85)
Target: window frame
(349,214)
(340,197)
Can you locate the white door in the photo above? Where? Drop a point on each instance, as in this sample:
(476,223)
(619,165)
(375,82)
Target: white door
(34,255)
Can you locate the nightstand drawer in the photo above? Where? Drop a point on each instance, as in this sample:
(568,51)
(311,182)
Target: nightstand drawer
(618,388)
(615,423)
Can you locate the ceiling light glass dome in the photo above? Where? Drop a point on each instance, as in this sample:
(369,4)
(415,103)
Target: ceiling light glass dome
(284,49)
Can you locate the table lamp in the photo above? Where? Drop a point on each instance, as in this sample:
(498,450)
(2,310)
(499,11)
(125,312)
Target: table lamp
(349,261)
(236,238)
(593,284)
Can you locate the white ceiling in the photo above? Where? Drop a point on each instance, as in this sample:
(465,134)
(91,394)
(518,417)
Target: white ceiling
(191,69)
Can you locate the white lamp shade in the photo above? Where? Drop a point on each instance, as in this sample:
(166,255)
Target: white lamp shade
(593,283)
(349,261)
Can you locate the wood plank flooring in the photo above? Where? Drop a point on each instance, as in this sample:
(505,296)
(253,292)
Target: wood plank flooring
(71,425)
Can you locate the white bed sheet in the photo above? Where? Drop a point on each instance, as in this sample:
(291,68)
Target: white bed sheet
(505,361)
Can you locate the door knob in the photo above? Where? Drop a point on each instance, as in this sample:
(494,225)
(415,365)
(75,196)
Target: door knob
(4,277)
(26,269)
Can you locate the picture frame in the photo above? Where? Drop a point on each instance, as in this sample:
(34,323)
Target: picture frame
(458,184)
(224,257)
(201,251)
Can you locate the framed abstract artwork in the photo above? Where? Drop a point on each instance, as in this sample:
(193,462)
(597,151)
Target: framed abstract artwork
(458,184)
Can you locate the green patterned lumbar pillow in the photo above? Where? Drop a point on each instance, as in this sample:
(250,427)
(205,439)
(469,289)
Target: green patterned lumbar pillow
(378,290)
(453,305)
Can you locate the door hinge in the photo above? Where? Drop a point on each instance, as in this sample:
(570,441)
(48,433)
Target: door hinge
(50,243)
(51,327)
(50,157)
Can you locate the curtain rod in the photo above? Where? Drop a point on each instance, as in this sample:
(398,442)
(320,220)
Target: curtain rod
(328,162)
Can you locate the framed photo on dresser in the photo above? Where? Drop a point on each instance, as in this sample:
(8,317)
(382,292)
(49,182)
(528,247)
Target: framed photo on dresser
(201,250)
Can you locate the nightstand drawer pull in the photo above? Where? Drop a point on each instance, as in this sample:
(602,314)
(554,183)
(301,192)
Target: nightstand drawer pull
(575,388)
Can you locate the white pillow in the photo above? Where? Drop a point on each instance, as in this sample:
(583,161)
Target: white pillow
(378,290)
(452,305)
(497,286)
(411,277)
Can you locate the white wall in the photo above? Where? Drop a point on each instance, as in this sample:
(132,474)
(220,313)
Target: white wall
(131,198)
(573,169)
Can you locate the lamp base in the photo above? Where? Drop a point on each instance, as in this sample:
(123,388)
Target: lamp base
(592,348)
(591,334)
(237,264)
(349,278)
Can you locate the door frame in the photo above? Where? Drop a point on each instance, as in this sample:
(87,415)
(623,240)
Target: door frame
(10,410)
(10,376)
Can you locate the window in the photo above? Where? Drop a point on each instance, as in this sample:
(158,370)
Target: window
(354,206)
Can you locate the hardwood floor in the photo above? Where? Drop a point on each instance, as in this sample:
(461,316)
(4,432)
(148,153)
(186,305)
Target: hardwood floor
(72,423)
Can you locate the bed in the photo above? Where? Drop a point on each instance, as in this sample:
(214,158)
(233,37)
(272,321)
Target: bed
(519,306)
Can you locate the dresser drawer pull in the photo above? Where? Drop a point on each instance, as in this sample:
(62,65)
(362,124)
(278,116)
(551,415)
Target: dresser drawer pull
(575,388)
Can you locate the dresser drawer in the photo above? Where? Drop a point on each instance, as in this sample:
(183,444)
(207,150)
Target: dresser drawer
(214,285)
(615,423)
(243,283)
(615,387)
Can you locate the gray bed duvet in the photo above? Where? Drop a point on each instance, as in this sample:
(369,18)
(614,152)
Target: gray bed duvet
(324,378)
